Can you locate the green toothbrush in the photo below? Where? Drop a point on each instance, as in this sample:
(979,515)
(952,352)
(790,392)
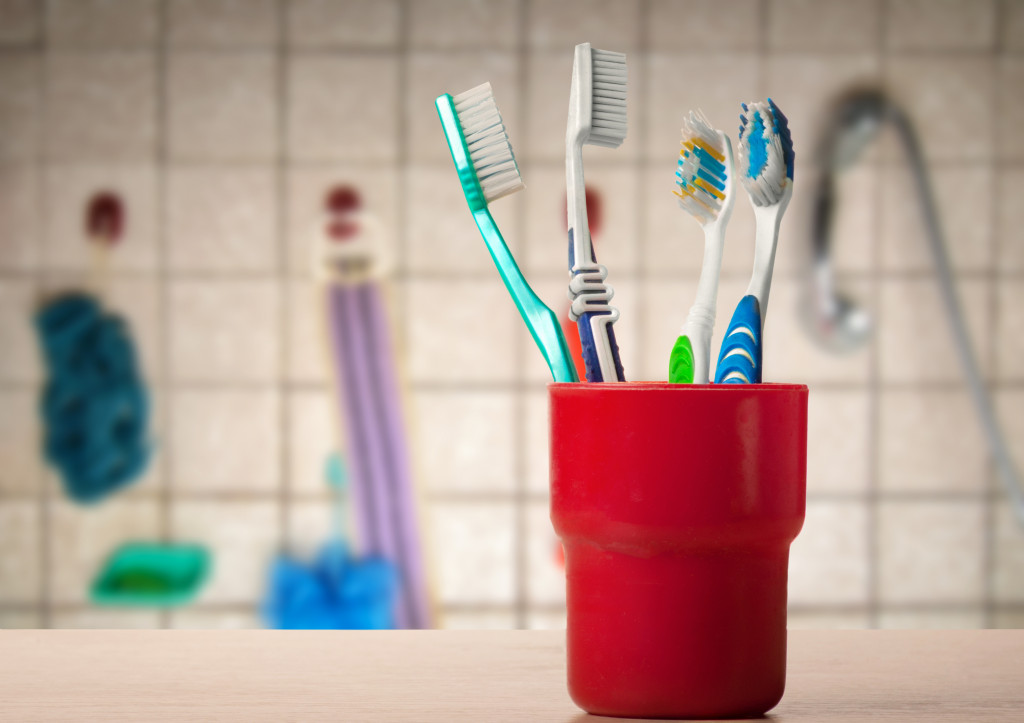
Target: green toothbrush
(487,170)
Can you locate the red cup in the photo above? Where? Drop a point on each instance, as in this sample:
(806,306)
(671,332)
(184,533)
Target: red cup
(676,505)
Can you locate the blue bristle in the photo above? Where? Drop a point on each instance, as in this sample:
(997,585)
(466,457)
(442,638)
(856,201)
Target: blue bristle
(758,156)
(782,127)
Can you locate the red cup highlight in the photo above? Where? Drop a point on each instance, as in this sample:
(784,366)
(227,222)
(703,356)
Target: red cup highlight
(676,505)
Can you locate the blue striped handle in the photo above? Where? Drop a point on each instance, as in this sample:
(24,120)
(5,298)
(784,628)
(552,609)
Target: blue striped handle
(590,356)
(739,359)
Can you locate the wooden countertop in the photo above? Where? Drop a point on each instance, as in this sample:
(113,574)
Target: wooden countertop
(451,676)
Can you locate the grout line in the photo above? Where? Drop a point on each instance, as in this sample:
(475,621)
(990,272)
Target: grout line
(282,56)
(162,237)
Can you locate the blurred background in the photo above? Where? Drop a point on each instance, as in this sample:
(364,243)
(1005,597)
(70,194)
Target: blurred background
(221,125)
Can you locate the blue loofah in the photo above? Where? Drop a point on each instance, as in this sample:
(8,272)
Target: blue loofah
(95,408)
(337,592)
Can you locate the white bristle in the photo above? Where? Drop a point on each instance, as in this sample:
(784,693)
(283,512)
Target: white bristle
(695,200)
(766,187)
(489,147)
(608,98)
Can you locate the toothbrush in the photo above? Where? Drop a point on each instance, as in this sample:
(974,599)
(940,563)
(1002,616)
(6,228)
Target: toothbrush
(488,171)
(704,176)
(766,170)
(597,116)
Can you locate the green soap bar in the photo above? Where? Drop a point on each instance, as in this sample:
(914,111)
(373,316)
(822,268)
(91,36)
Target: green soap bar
(680,363)
(144,574)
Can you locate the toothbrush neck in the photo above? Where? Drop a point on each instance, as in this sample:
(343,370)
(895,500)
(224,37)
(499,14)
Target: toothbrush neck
(581,251)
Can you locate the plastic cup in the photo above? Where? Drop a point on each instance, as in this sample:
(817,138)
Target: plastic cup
(676,506)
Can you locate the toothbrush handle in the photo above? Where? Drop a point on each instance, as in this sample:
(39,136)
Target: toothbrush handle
(539,319)
(590,341)
(739,359)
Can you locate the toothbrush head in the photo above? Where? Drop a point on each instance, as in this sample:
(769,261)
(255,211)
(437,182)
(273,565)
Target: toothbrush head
(765,153)
(597,102)
(479,145)
(704,171)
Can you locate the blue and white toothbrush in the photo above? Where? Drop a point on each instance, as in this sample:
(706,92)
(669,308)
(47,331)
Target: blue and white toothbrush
(766,171)
(597,116)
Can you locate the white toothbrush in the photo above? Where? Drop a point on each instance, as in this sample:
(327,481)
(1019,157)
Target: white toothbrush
(597,116)
(705,188)
(766,170)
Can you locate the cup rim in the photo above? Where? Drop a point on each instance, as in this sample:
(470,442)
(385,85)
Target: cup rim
(650,386)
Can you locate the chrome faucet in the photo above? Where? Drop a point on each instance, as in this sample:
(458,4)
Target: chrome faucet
(838,323)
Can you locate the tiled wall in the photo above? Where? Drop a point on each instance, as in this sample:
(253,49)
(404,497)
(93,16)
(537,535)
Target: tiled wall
(222,122)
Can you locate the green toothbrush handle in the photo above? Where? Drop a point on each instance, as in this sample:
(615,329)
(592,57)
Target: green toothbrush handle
(539,318)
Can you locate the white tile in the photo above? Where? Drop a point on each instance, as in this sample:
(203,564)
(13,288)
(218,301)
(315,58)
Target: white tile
(925,85)
(1010,330)
(20,361)
(19,552)
(222,219)
(613,223)
(82,538)
(320,24)
(342,108)
(478,336)
(486,620)
(473,552)
(545,569)
(378,189)
(307,349)
(1009,229)
(19,21)
(440,234)
(838,431)
(941,24)
(675,93)
(828,562)
(963,196)
(432,73)
(222,23)
(668,21)
(790,353)
(224,330)
(226,441)
(607,24)
(548,75)
(823,26)
(464,441)
(19,223)
(1008,575)
(101,106)
(200,619)
(1010,109)
(102,619)
(242,538)
(1011,25)
(1009,620)
(314,435)
(101,24)
(916,342)
(448,24)
(931,552)
(223,107)
(20,441)
(675,240)
(20,111)
(69,191)
(930,441)
(803,620)
(932,619)
(546,620)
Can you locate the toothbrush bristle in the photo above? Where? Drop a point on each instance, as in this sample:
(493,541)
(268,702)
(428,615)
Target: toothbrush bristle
(608,98)
(701,173)
(489,148)
(765,152)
